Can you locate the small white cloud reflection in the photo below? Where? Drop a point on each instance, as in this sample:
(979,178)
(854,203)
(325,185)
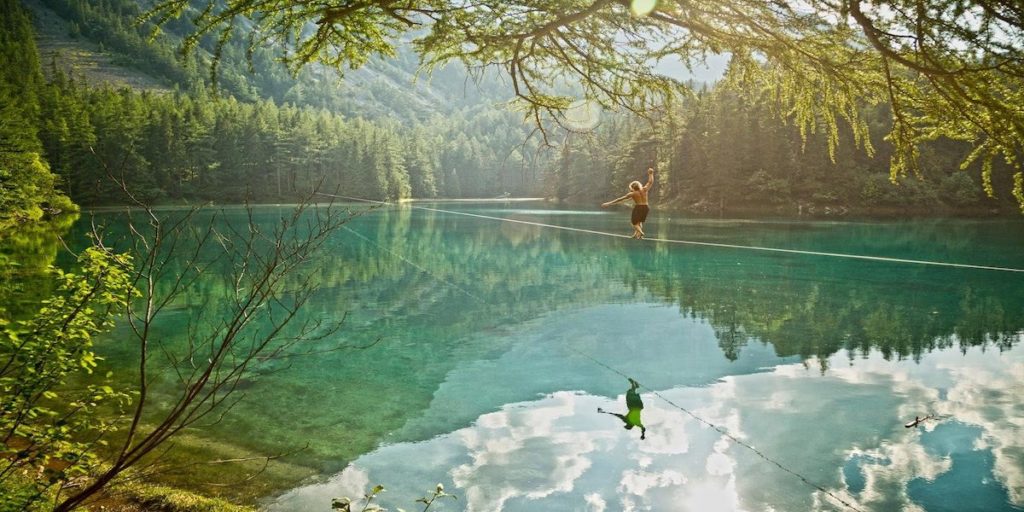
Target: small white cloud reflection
(557,453)
(781,399)
(595,503)
(719,463)
(709,496)
(353,482)
(888,468)
(522,455)
(671,439)
(639,482)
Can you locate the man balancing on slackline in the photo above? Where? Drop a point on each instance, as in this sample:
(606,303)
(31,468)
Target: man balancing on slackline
(638,193)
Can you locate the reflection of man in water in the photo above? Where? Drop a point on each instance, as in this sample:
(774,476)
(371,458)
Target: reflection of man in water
(635,406)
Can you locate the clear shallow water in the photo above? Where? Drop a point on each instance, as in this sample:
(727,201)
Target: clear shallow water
(495,337)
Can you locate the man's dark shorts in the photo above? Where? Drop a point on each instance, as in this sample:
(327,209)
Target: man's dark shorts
(639,214)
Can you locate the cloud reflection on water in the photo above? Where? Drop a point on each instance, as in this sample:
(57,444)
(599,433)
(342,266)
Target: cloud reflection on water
(978,390)
(522,453)
(557,453)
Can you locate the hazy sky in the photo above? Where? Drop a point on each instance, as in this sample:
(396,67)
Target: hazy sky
(708,73)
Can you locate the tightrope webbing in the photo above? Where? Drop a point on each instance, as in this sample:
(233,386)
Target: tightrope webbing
(705,244)
(721,430)
(414,265)
(717,428)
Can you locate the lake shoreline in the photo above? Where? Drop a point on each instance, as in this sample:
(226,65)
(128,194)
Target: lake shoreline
(697,210)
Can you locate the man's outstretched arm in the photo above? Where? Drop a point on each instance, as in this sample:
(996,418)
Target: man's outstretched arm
(615,201)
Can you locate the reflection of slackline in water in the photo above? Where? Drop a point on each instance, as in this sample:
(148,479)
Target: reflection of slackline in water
(781,250)
(638,193)
(635,406)
(633,401)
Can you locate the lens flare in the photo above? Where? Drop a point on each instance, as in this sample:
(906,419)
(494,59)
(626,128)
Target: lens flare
(582,115)
(642,7)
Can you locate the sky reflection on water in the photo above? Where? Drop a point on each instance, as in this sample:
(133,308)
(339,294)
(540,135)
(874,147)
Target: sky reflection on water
(843,430)
(478,372)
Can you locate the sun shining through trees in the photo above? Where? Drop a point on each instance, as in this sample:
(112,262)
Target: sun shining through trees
(945,69)
(216,324)
(642,7)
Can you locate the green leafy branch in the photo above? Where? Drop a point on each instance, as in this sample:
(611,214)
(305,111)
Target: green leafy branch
(345,504)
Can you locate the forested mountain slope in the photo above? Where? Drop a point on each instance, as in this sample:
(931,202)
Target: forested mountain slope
(27,187)
(105,42)
(387,130)
(383,131)
(62,46)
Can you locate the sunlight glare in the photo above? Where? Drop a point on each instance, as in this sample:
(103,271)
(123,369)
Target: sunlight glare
(582,115)
(642,7)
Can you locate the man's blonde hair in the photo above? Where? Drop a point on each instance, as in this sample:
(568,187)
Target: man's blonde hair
(635,185)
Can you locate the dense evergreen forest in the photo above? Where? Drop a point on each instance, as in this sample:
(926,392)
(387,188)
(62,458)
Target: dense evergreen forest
(266,135)
(728,150)
(231,123)
(26,183)
(235,142)
(196,147)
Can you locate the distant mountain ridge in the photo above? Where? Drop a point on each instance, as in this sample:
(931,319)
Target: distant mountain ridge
(101,43)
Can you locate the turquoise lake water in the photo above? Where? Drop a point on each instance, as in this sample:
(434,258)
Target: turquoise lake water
(769,381)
